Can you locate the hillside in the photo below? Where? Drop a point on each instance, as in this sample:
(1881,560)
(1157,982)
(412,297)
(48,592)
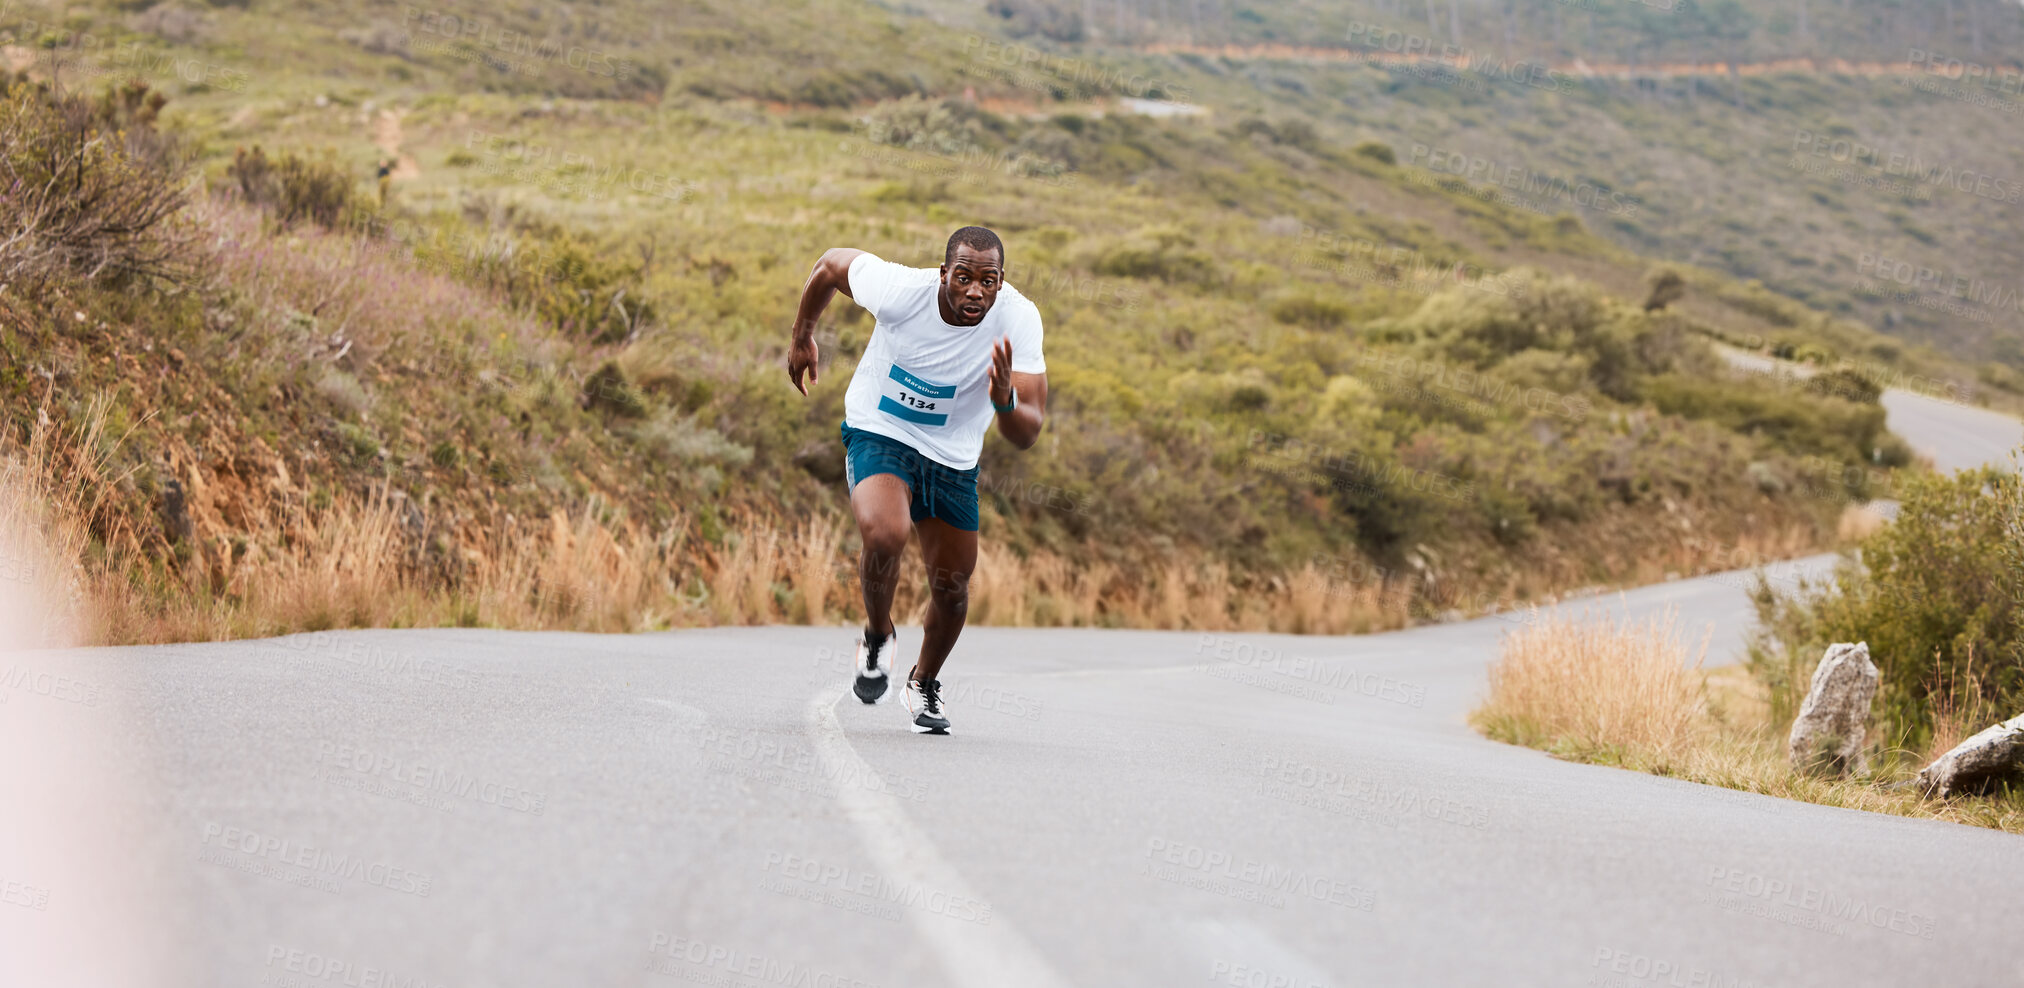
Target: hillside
(1884,199)
(1300,382)
(1855,156)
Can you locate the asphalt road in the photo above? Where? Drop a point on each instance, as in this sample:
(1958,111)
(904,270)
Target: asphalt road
(468,807)
(1954,436)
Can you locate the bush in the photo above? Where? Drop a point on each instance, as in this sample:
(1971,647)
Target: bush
(1936,594)
(92,189)
(1161,253)
(1794,421)
(294,187)
(944,127)
(1846,385)
(1752,297)
(582,291)
(1309,310)
(1377,151)
(1664,286)
(607,390)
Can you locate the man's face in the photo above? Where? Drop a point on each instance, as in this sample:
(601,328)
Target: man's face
(970,284)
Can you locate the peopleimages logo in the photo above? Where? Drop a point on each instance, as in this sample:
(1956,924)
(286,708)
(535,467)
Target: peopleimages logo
(1073,70)
(1906,165)
(1221,865)
(875,886)
(48,684)
(321,967)
(2002,78)
(1472,383)
(1358,470)
(666,948)
(486,36)
(1524,181)
(427,778)
(1976,291)
(1406,47)
(316,860)
(1658,971)
(1826,904)
(516,158)
(1307,669)
(1401,266)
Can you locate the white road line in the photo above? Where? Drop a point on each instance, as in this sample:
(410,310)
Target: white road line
(974,954)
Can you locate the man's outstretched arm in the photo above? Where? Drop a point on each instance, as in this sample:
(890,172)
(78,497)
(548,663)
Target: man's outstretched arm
(1021,424)
(831,275)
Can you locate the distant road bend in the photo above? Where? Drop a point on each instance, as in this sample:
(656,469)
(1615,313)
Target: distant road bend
(470,807)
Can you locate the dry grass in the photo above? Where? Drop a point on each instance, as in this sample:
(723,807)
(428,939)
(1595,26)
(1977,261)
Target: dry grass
(1623,693)
(1601,689)
(1960,707)
(44,535)
(359,564)
(815,560)
(264,561)
(369,563)
(1858,522)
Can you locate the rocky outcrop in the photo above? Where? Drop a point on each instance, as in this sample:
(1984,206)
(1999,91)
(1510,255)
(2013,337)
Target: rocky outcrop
(1828,734)
(1976,763)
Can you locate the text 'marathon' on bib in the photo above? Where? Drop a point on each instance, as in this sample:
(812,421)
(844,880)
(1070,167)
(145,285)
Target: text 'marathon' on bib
(910,399)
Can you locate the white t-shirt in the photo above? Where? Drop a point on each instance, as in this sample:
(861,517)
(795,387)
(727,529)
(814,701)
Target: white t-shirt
(922,381)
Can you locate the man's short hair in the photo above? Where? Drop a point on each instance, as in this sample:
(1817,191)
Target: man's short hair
(976,238)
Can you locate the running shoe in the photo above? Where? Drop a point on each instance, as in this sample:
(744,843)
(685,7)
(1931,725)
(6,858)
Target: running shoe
(872,680)
(923,698)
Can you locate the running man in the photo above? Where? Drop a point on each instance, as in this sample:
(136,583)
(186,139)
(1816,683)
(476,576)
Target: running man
(950,353)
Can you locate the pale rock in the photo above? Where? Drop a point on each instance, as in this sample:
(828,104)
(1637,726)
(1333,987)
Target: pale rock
(1834,719)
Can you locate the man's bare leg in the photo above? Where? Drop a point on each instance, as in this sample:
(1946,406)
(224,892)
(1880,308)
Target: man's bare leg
(880,503)
(951,556)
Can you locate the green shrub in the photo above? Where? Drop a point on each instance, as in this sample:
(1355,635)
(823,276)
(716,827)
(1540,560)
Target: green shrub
(570,285)
(943,127)
(1936,594)
(1377,151)
(1752,297)
(607,390)
(1310,310)
(358,441)
(1847,385)
(1508,515)
(1794,421)
(1892,452)
(1157,253)
(1663,287)
(293,187)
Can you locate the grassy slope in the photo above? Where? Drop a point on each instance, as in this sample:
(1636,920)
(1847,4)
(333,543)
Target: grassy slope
(1159,266)
(1709,157)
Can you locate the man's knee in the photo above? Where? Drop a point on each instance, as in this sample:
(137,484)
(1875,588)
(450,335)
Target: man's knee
(949,591)
(884,539)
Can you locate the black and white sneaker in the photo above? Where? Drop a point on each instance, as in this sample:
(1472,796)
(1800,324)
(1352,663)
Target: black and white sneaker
(872,682)
(923,698)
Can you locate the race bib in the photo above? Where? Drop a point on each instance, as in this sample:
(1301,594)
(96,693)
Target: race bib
(911,399)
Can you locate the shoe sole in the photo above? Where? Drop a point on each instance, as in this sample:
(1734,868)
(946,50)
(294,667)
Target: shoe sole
(921,729)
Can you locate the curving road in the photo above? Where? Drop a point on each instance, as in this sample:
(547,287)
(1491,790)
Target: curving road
(463,807)
(1952,435)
